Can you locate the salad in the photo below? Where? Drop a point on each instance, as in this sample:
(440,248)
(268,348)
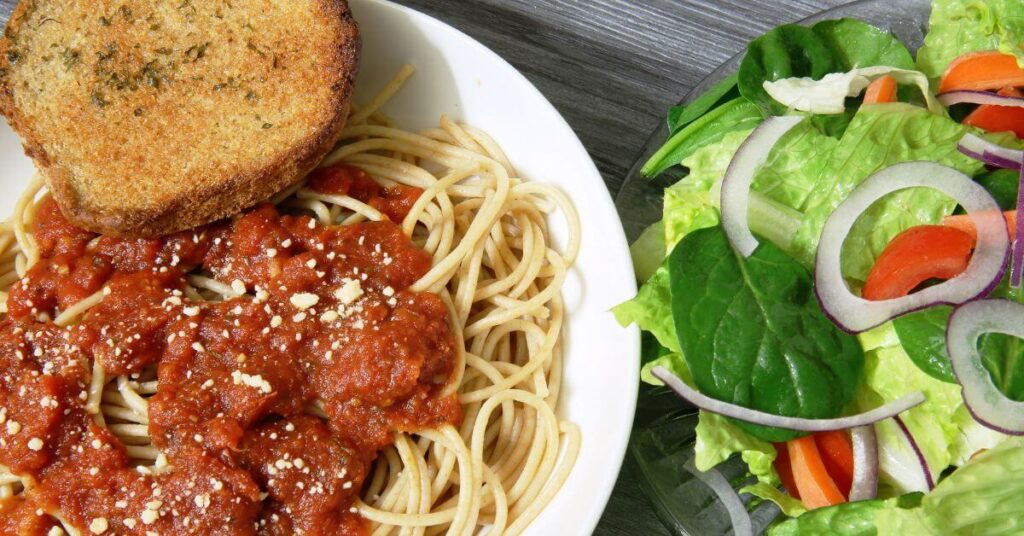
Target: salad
(836,281)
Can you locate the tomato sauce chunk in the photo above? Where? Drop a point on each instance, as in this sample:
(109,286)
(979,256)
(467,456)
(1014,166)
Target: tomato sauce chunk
(286,355)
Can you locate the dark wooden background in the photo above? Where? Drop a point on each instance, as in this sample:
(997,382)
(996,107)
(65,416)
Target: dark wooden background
(612,68)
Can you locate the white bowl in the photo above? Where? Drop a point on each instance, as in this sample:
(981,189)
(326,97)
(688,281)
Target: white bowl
(458,76)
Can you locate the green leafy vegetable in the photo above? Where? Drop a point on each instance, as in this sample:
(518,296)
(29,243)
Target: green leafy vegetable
(982,498)
(835,46)
(878,137)
(651,310)
(673,362)
(942,426)
(847,519)
(829,95)
(680,116)
(787,178)
(1002,184)
(718,439)
(923,336)
(737,114)
(787,51)
(859,44)
(650,348)
(792,171)
(957,27)
(1003,356)
(648,251)
(753,334)
(690,204)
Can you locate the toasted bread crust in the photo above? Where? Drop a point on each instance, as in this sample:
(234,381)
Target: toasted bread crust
(136,187)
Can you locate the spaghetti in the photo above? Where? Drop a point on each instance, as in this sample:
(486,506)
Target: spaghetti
(493,266)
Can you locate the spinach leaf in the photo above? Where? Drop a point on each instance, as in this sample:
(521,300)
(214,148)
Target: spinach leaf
(650,348)
(753,334)
(859,44)
(1003,356)
(787,51)
(834,125)
(737,114)
(680,116)
(923,336)
(1002,184)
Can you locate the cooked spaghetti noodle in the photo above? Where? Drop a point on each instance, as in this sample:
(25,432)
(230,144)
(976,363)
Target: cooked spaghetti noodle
(499,275)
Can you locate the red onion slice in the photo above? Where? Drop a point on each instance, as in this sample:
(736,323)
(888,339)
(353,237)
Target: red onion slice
(986,402)
(855,314)
(735,200)
(979,97)
(990,153)
(738,514)
(799,424)
(1017,266)
(917,452)
(865,463)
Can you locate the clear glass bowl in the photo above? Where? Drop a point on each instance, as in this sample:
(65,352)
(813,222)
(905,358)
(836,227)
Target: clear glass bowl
(663,433)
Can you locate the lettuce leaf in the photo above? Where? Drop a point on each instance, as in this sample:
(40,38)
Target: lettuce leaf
(673,362)
(692,204)
(651,310)
(982,498)
(788,178)
(810,173)
(718,440)
(847,519)
(880,136)
(648,251)
(792,171)
(942,427)
(961,26)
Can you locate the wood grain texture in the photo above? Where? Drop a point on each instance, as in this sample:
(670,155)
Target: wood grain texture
(612,68)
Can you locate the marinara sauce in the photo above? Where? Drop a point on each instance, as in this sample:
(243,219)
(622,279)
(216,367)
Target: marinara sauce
(271,404)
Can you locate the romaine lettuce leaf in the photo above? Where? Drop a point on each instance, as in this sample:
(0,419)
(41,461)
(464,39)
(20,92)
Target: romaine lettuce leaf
(982,498)
(880,136)
(648,251)
(942,427)
(673,362)
(792,170)
(692,203)
(961,26)
(788,178)
(718,440)
(651,310)
(847,519)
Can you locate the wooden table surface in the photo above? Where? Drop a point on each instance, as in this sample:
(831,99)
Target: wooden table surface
(612,68)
